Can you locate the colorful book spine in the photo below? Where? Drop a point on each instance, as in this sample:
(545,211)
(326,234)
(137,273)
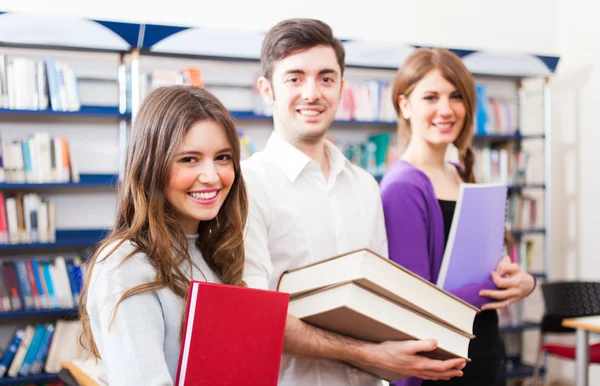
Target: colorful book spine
(24,286)
(10,352)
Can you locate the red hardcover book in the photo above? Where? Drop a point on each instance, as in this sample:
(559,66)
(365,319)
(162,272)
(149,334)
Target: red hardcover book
(232,336)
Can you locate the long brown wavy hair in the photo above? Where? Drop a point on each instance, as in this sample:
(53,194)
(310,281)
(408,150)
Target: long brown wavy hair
(145,218)
(416,66)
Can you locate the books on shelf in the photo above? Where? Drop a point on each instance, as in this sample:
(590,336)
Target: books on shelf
(35,284)
(231,335)
(374,155)
(502,164)
(368,101)
(41,347)
(522,211)
(495,115)
(36,84)
(11,350)
(476,239)
(148,81)
(39,158)
(26,218)
(365,296)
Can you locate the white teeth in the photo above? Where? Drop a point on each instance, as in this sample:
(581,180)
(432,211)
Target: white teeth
(444,126)
(310,113)
(204,196)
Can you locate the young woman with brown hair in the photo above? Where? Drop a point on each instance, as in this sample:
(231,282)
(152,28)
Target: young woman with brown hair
(434,97)
(182,209)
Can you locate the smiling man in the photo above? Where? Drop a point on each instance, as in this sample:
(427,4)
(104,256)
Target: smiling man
(308,203)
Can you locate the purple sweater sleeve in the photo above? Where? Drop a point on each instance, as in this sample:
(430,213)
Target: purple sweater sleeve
(408,226)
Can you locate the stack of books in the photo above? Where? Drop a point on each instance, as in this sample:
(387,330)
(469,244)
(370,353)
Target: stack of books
(368,297)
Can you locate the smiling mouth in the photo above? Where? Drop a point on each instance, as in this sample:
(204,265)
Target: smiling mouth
(309,112)
(204,195)
(444,126)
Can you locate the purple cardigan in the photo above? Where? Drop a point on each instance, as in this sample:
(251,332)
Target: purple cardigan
(415,231)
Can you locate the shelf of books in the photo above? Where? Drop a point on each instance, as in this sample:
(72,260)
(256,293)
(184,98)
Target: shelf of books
(36,290)
(48,286)
(37,350)
(506,151)
(63,115)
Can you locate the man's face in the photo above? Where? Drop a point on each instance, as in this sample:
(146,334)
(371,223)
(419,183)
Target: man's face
(304,93)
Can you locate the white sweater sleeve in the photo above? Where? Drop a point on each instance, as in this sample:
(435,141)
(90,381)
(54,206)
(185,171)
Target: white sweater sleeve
(132,344)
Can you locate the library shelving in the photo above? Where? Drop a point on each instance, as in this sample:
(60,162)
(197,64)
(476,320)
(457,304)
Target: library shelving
(83,111)
(100,104)
(56,312)
(229,62)
(65,239)
(85,181)
(32,379)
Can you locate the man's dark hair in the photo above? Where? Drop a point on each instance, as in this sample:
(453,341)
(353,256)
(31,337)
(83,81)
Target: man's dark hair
(295,35)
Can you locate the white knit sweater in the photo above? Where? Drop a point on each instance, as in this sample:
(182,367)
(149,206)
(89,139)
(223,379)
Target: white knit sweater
(141,346)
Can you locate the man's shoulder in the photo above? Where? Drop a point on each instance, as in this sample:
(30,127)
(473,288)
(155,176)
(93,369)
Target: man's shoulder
(256,170)
(253,163)
(360,176)
(257,164)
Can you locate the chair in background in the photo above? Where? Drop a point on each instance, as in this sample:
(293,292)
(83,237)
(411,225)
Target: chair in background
(566,299)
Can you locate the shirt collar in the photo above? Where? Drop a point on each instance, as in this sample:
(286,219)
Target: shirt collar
(293,161)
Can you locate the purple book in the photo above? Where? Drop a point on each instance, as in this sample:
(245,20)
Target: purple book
(476,238)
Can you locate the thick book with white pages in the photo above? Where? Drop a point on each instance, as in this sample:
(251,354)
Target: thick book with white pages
(352,310)
(386,278)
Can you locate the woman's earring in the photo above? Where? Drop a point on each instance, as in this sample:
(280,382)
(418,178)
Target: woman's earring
(405,115)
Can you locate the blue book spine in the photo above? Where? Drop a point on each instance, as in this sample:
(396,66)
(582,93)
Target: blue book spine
(481,116)
(3,177)
(38,282)
(24,286)
(53,92)
(73,281)
(10,352)
(50,285)
(26,160)
(38,362)
(78,275)
(38,336)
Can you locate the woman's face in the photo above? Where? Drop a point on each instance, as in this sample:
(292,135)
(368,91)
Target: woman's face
(201,175)
(435,109)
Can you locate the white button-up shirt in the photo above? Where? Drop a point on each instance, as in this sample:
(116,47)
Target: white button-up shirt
(297,217)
